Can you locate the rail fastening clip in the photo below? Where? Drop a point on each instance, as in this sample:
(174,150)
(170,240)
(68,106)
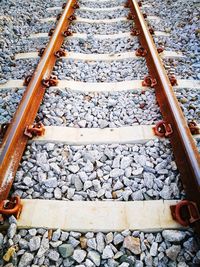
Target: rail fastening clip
(11,207)
(185,212)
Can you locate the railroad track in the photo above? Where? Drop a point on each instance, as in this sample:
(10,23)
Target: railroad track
(72,144)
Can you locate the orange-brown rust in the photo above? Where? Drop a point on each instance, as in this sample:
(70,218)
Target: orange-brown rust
(36,129)
(185,212)
(149,81)
(11,207)
(141,52)
(27,80)
(194,128)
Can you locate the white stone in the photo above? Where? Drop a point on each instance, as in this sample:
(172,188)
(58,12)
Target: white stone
(79,255)
(107,253)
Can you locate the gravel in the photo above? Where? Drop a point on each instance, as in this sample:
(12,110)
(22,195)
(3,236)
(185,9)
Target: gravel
(54,12)
(122,172)
(102,15)
(189,100)
(98,110)
(19,20)
(9,100)
(102,28)
(102,4)
(22,68)
(100,71)
(181,20)
(92,45)
(31,46)
(135,248)
(40,27)
(182,68)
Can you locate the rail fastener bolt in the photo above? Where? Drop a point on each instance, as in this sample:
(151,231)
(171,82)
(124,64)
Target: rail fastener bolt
(141,52)
(140,3)
(67,33)
(173,80)
(151,30)
(51,31)
(64,5)
(36,129)
(58,16)
(52,81)
(27,80)
(194,128)
(130,16)
(76,6)
(149,81)
(10,207)
(72,17)
(135,32)
(160,50)
(41,52)
(185,212)
(163,129)
(126,5)
(3,129)
(60,53)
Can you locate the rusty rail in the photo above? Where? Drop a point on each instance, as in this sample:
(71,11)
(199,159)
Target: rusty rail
(183,145)
(15,141)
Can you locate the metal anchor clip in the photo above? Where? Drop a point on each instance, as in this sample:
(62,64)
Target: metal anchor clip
(75,6)
(60,53)
(3,129)
(160,49)
(135,32)
(27,80)
(72,17)
(52,81)
(151,30)
(11,207)
(67,33)
(173,80)
(163,129)
(149,81)
(51,31)
(41,51)
(126,5)
(58,16)
(144,15)
(36,129)
(194,128)
(130,16)
(185,212)
(141,52)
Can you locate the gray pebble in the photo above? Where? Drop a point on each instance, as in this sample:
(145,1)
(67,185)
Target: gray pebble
(173,235)
(66,250)
(12,230)
(53,255)
(34,243)
(94,257)
(79,255)
(26,259)
(107,253)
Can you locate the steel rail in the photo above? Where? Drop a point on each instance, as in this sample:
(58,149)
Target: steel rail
(15,141)
(183,145)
